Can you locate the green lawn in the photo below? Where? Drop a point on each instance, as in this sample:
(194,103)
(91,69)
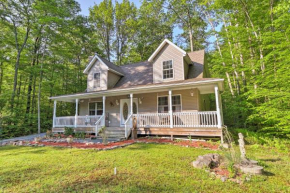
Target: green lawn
(140,167)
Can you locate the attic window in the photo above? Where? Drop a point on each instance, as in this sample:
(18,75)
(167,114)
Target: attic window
(96,80)
(167,69)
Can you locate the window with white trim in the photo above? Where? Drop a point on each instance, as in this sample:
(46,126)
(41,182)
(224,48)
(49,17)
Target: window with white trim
(167,69)
(163,104)
(97,80)
(96,108)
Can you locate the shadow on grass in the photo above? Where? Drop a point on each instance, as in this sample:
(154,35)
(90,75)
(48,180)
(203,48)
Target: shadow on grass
(145,146)
(266,173)
(271,160)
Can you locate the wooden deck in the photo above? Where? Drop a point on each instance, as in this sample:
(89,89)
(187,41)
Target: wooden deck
(206,132)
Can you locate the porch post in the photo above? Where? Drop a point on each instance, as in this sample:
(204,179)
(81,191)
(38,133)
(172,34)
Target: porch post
(104,110)
(76,115)
(54,114)
(131,104)
(218,110)
(170,108)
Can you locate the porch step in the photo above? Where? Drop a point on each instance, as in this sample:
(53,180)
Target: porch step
(115,132)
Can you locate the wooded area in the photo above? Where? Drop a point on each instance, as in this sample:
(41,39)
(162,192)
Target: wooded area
(45,45)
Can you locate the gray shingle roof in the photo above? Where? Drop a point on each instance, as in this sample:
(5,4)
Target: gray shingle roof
(196,70)
(140,73)
(111,65)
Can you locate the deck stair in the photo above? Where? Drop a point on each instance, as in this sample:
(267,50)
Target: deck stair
(115,132)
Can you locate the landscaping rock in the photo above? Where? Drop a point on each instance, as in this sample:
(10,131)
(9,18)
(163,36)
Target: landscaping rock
(207,161)
(252,169)
(224,178)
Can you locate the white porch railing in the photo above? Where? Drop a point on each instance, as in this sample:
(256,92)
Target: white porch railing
(180,119)
(128,126)
(195,119)
(153,120)
(82,121)
(99,124)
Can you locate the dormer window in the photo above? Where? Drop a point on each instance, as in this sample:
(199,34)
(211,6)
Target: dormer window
(167,69)
(96,80)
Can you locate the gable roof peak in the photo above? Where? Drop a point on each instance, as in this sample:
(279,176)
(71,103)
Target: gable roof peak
(165,41)
(112,67)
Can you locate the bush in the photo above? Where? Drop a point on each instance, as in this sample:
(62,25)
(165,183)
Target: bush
(253,138)
(68,131)
(80,135)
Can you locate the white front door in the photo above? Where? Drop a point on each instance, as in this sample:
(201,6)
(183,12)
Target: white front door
(125,108)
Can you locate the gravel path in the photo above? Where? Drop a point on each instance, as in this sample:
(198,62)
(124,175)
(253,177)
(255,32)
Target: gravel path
(23,138)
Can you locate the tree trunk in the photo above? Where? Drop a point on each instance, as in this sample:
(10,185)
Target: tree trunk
(191,40)
(220,52)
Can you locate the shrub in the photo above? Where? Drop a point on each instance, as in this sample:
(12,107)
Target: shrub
(80,135)
(68,131)
(104,135)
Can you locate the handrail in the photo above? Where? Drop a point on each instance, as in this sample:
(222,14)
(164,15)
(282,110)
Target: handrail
(180,119)
(97,124)
(127,134)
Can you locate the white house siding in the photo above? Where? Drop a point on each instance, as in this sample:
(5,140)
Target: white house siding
(168,52)
(103,70)
(148,104)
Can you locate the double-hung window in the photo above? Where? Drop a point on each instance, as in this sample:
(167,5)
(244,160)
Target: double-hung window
(97,80)
(167,69)
(96,108)
(163,104)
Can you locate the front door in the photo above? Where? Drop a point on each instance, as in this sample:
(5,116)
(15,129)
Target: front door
(125,108)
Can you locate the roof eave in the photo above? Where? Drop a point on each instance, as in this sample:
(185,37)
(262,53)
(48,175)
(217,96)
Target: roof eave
(121,91)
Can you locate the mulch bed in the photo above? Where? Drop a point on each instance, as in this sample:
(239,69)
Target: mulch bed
(100,146)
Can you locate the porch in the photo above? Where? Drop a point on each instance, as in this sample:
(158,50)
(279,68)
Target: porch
(138,110)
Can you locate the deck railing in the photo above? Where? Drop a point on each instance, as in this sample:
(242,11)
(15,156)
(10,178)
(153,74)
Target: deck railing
(128,126)
(79,121)
(99,124)
(153,120)
(180,119)
(195,119)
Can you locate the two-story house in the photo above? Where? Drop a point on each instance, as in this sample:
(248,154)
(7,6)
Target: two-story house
(166,95)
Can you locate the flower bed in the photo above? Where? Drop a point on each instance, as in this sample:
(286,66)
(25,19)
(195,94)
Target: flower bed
(112,145)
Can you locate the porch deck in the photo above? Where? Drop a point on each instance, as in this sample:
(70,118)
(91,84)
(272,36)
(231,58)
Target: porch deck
(204,123)
(206,132)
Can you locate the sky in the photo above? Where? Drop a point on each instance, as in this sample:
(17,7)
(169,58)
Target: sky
(86,4)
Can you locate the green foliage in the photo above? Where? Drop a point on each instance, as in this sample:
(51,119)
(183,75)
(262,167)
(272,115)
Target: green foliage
(80,135)
(104,135)
(252,54)
(257,138)
(232,170)
(68,131)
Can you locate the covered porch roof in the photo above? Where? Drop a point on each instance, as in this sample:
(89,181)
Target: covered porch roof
(205,86)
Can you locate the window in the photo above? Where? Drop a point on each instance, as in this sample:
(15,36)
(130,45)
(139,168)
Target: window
(167,69)
(163,104)
(96,108)
(176,103)
(96,80)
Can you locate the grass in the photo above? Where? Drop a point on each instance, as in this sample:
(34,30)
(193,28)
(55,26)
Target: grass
(140,168)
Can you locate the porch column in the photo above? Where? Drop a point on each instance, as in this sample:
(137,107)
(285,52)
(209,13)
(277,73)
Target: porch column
(76,115)
(170,108)
(218,106)
(54,114)
(104,110)
(131,104)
